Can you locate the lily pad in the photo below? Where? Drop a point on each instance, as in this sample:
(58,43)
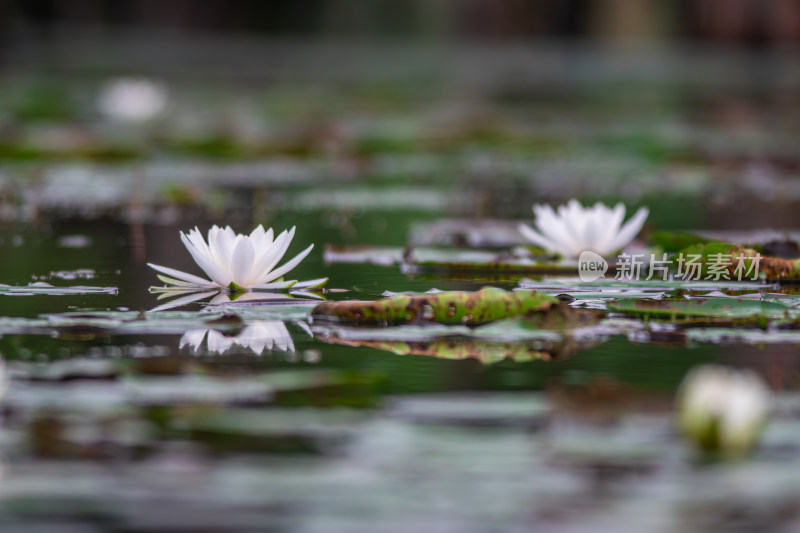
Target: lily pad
(735,262)
(736,310)
(458,307)
(441,259)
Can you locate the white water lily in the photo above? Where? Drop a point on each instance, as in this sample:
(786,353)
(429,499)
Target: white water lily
(723,409)
(238,261)
(572,229)
(132,99)
(258,336)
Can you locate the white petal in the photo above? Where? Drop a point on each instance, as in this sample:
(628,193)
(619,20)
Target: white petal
(302,325)
(217,342)
(220,298)
(176,282)
(261,247)
(306,294)
(276,252)
(533,236)
(193,338)
(310,284)
(221,247)
(286,267)
(183,276)
(275,285)
(242,262)
(612,225)
(629,230)
(209,266)
(553,228)
(199,243)
(193,297)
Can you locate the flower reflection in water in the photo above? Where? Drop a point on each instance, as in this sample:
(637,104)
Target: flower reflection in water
(183,297)
(257,336)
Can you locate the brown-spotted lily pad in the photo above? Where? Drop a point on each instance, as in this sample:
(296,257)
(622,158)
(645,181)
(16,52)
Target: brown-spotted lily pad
(730,261)
(457,307)
(458,348)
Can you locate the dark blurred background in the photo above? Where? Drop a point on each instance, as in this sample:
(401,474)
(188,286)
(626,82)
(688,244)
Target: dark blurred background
(746,23)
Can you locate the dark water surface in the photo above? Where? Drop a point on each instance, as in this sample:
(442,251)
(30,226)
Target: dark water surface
(120,420)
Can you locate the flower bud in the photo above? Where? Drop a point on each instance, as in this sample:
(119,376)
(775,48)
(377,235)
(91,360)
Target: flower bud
(723,410)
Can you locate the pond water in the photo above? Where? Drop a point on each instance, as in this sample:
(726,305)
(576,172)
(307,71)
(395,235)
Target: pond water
(252,416)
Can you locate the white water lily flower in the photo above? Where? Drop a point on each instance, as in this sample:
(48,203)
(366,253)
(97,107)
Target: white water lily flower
(723,409)
(573,229)
(258,336)
(132,99)
(238,261)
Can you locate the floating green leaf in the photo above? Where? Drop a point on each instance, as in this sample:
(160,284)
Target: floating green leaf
(717,310)
(456,307)
(741,263)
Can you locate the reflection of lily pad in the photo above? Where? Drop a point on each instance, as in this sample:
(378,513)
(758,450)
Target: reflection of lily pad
(460,348)
(456,307)
(41,287)
(536,335)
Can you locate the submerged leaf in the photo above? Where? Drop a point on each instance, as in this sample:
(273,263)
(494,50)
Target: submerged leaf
(456,307)
(454,348)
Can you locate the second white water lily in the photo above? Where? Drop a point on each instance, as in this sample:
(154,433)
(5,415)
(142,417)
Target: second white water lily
(238,261)
(572,229)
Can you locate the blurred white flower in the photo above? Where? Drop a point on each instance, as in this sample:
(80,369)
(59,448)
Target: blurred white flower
(132,99)
(238,261)
(257,336)
(573,229)
(723,409)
